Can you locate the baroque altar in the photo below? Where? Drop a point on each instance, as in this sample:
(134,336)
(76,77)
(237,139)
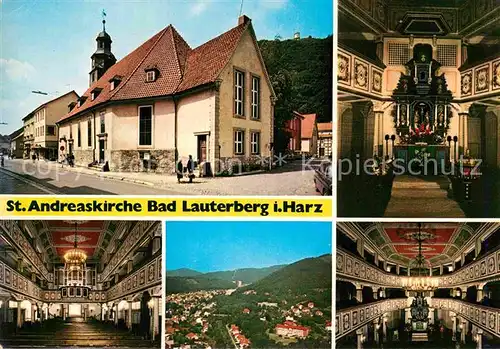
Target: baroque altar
(422,110)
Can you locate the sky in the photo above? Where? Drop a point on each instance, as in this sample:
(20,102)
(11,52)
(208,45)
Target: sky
(46,44)
(207,246)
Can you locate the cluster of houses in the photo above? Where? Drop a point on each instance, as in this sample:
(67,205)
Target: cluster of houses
(239,337)
(307,136)
(165,101)
(194,310)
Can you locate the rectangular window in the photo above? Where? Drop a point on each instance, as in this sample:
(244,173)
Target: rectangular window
(103,125)
(146,125)
(150,76)
(255,143)
(239,93)
(79,136)
(89,133)
(51,130)
(239,141)
(255,98)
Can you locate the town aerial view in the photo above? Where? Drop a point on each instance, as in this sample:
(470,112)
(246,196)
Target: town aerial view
(261,290)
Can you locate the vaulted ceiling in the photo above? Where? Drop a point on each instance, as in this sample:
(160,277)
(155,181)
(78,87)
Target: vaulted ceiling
(58,236)
(396,240)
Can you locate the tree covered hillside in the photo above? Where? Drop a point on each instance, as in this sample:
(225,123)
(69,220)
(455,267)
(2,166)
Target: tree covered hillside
(301,72)
(176,284)
(298,278)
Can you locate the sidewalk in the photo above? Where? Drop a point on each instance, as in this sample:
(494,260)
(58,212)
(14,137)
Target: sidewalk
(145,178)
(290,179)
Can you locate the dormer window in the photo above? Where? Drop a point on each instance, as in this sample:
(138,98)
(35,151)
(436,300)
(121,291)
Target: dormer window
(152,74)
(114,82)
(95,92)
(81,100)
(71,106)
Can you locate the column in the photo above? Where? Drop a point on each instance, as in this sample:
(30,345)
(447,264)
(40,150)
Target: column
(115,314)
(156,244)
(378,139)
(441,269)
(33,312)
(397,269)
(479,339)
(359,294)
(85,310)
(117,278)
(4,308)
(376,327)
(464,293)
(407,315)
(359,335)
(19,315)
(155,329)
(65,311)
(479,295)
(479,245)
(130,266)
(454,327)
(463,330)
(360,247)
(129,316)
(384,329)
(47,312)
(375,294)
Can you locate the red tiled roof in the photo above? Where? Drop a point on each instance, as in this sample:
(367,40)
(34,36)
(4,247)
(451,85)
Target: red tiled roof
(181,68)
(293,327)
(307,125)
(205,62)
(325,126)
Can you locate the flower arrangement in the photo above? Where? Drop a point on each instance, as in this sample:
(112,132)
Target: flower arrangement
(422,134)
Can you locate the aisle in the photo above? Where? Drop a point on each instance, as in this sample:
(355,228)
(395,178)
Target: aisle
(427,196)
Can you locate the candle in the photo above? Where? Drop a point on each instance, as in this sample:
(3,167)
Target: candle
(435,115)
(408,113)
(430,65)
(445,115)
(398,123)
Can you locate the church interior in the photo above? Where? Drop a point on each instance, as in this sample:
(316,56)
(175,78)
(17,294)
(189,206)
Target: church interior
(418,108)
(80,283)
(417,285)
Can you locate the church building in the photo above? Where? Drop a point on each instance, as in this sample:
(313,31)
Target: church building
(80,283)
(417,285)
(165,101)
(419,92)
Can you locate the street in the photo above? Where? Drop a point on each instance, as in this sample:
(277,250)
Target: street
(25,177)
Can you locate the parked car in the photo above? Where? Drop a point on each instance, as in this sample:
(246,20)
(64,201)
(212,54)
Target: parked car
(323,178)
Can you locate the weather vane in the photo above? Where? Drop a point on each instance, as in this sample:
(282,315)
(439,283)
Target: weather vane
(103,14)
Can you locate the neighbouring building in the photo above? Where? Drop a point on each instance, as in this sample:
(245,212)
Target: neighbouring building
(325,139)
(291,329)
(16,143)
(166,100)
(294,128)
(309,134)
(40,130)
(4,144)
(28,135)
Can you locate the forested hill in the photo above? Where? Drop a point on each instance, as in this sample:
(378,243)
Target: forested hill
(298,278)
(301,72)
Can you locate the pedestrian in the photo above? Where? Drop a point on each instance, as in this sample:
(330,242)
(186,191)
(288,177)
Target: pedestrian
(178,170)
(190,167)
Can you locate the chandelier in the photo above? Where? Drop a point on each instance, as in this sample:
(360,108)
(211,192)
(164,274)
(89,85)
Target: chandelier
(419,283)
(75,258)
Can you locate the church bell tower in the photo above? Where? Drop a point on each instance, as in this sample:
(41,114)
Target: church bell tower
(102,58)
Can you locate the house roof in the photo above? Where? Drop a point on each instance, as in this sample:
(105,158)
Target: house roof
(299,115)
(16,133)
(180,67)
(46,103)
(325,126)
(307,125)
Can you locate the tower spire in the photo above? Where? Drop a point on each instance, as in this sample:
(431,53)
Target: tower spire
(103,14)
